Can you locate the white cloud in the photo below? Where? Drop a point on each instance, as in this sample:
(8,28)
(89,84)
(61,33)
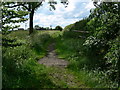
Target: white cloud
(46,21)
(76,10)
(89,6)
(78,14)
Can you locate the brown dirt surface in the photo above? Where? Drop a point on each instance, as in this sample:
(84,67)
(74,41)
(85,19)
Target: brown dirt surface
(51,58)
(58,74)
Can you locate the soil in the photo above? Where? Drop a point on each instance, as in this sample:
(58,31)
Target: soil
(51,58)
(58,74)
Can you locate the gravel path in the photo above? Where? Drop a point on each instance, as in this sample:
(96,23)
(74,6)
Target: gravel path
(51,58)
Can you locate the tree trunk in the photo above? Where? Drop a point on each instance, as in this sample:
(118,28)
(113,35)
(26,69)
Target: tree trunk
(31,22)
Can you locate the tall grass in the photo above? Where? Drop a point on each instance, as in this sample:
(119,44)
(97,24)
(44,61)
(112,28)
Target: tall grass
(72,49)
(21,70)
(20,66)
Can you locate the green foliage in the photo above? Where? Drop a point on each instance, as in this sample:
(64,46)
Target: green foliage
(15,58)
(58,28)
(95,49)
(80,25)
(94,79)
(70,34)
(100,51)
(70,48)
(9,16)
(37,27)
(20,68)
(82,65)
(39,43)
(7,42)
(95,59)
(102,43)
(113,56)
(67,28)
(33,6)
(21,35)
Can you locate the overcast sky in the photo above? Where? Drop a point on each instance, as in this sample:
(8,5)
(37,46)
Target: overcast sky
(76,10)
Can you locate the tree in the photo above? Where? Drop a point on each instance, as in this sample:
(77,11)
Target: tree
(68,27)
(37,27)
(30,7)
(33,6)
(11,16)
(104,23)
(80,25)
(47,28)
(59,28)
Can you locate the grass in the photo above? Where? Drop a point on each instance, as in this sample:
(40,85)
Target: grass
(21,70)
(64,78)
(71,49)
(94,79)
(38,41)
(20,67)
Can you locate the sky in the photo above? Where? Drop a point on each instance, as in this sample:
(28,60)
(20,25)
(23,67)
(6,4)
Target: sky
(75,11)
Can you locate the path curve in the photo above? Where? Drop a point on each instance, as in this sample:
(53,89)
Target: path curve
(51,58)
(58,74)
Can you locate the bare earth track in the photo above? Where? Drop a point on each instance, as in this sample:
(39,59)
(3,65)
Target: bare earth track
(51,58)
(58,74)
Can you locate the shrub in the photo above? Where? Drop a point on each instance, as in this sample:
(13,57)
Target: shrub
(20,68)
(13,61)
(112,59)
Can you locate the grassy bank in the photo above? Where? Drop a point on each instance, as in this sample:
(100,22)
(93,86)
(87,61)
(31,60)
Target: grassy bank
(72,49)
(20,55)
(21,69)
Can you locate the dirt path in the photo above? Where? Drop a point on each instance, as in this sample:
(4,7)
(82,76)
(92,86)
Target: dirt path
(60,76)
(51,58)
(64,78)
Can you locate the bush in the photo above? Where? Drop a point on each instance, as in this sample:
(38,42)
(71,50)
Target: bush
(58,28)
(89,55)
(68,28)
(112,59)
(39,42)
(20,68)
(13,62)
(95,49)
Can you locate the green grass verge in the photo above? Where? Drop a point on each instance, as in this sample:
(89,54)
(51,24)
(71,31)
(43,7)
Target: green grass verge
(71,49)
(20,66)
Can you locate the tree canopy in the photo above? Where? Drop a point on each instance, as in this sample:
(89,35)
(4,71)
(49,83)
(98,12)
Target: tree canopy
(102,43)
(59,28)
(30,7)
(11,16)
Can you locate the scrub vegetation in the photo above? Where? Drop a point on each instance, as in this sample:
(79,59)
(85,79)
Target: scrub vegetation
(91,48)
